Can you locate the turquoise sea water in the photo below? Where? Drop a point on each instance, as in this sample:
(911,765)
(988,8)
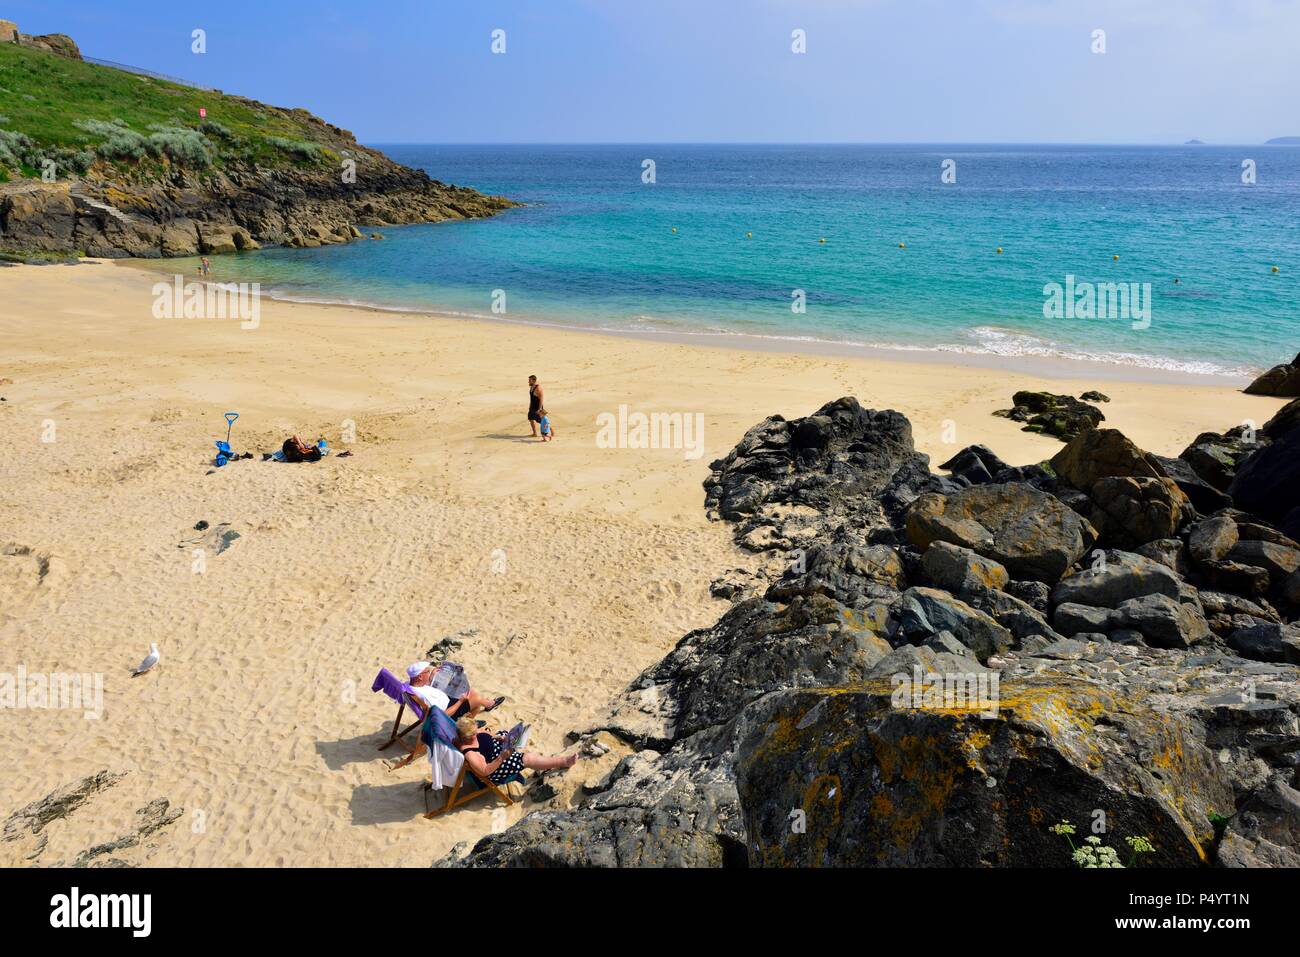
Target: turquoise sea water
(595,247)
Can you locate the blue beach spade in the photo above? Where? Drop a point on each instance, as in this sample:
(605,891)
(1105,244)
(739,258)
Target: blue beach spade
(224,454)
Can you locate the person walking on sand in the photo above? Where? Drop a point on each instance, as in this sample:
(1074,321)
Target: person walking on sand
(536,403)
(548,430)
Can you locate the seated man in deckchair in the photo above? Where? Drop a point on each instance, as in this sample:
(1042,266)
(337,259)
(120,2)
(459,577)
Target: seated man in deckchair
(470,704)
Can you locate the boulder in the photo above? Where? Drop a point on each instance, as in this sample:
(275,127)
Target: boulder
(1291,588)
(1265,831)
(1025,622)
(1205,498)
(1128,512)
(924,612)
(1170,552)
(1236,577)
(1267,641)
(882,782)
(1032,534)
(1285,420)
(1215,457)
(1116,578)
(1102,453)
(1265,484)
(1279,561)
(1282,380)
(1062,416)
(59,44)
(959,569)
(1071,619)
(843,570)
(1163,621)
(976,464)
(1212,538)
(215,239)
(929,658)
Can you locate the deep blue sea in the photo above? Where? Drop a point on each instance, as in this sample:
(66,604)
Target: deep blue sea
(723,238)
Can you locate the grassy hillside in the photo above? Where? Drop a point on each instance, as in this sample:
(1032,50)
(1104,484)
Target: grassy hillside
(80,114)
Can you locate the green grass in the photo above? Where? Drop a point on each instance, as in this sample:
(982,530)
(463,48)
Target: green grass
(64,107)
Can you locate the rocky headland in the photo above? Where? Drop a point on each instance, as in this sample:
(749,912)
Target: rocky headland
(123,165)
(941,669)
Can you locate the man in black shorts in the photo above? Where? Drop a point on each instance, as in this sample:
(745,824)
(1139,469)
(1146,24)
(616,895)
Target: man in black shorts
(536,403)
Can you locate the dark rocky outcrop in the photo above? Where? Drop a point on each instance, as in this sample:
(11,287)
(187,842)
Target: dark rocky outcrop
(1282,381)
(897,696)
(1063,416)
(1265,483)
(240,207)
(787,482)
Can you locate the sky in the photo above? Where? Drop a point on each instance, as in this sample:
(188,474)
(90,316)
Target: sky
(650,71)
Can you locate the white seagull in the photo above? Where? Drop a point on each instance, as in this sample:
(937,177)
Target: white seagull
(150,660)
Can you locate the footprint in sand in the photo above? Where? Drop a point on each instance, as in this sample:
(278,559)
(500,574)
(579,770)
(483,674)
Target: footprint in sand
(27,575)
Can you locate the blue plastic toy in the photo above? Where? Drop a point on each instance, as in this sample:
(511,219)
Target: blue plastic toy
(224,454)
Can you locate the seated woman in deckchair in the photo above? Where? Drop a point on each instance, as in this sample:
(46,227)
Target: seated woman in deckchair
(488,757)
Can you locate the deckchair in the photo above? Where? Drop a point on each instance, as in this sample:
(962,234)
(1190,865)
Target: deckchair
(399,691)
(440,732)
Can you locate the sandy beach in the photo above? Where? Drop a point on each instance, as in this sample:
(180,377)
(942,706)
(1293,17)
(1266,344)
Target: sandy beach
(567,567)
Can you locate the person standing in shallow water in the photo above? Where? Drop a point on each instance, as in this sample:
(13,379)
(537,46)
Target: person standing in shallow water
(536,403)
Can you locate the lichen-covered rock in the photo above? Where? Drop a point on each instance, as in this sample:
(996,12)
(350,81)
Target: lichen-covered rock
(1102,453)
(1027,531)
(959,569)
(872,782)
(1128,512)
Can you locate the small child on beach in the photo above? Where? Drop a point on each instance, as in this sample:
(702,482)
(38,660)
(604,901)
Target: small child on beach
(548,431)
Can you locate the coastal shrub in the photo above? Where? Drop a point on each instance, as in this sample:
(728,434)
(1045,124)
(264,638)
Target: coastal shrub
(180,144)
(300,148)
(16,149)
(119,140)
(213,128)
